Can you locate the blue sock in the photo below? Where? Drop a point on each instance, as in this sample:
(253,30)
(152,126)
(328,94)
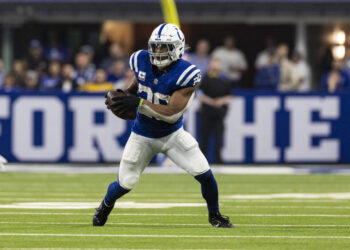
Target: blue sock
(114,192)
(209,190)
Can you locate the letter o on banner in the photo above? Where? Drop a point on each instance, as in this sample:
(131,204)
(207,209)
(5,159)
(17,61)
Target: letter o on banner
(52,146)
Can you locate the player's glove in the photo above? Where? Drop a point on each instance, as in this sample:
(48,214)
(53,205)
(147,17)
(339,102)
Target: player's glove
(108,101)
(124,103)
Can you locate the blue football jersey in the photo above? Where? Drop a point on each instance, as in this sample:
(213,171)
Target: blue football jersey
(157,87)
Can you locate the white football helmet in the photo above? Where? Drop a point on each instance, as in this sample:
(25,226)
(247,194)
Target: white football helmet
(169,37)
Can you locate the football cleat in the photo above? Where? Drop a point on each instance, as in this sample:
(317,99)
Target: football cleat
(101,214)
(218,220)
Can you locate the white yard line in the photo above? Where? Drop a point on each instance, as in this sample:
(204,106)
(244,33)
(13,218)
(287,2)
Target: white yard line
(179,200)
(160,199)
(301,207)
(127,248)
(99,194)
(283,200)
(227,169)
(177,236)
(168,224)
(90,205)
(175,214)
(345,196)
(90,248)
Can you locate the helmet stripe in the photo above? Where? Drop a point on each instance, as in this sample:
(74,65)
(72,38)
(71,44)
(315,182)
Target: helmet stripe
(161,29)
(178,34)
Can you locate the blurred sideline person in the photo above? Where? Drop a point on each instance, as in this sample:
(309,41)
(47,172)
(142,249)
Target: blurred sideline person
(201,58)
(163,88)
(84,68)
(68,82)
(55,51)
(233,61)
(215,95)
(288,79)
(269,74)
(31,80)
(2,72)
(336,79)
(302,72)
(123,82)
(263,58)
(19,71)
(53,80)
(99,85)
(9,83)
(116,53)
(117,71)
(35,59)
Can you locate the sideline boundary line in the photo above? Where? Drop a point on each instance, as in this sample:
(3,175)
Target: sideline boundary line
(170,224)
(179,236)
(164,214)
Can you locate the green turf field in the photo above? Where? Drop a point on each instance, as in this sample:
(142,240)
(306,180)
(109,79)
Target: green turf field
(277,223)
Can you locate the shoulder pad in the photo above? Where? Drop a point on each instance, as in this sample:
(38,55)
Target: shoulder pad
(136,58)
(190,76)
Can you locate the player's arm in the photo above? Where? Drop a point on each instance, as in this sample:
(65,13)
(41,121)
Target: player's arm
(178,103)
(132,87)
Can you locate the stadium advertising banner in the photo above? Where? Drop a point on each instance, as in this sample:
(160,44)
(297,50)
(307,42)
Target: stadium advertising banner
(260,127)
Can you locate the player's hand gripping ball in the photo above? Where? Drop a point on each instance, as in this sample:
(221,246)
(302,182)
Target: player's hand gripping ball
(119,103)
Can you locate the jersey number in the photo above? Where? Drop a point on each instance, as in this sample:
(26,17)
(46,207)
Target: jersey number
(155,97)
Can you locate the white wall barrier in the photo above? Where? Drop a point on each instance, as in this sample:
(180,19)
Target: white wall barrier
(295,128)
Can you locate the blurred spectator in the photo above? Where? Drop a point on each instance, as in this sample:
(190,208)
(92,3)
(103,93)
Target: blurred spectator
(302,72)
(336,79)
(54,51)
(9,83)
(35,59)
(124,82)
(85,70)
(116,52)
(53,80)
(2,73)
(215,95)
(268,75)
(233,61)
(117,71)
(31,80)
(288,78)
(68,82)
(88,50)
(200,58)
(20,70)
(326,59)
(263,58)
(99,85)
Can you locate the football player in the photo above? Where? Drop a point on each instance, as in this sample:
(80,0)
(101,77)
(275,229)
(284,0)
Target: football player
(163,88)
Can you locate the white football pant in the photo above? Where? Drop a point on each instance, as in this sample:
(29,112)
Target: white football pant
(179,146)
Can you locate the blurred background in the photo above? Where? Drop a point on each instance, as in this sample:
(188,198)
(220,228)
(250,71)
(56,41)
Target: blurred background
(286,64)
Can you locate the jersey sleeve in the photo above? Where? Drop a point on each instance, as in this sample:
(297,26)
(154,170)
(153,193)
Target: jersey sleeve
(190,77)
(135,59)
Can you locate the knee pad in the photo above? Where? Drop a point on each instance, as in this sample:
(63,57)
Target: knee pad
(128,181)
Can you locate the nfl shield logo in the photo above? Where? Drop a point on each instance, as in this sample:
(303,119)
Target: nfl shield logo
(155,81)
(142,75)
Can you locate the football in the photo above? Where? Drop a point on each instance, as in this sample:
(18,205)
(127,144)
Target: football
(129,115)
